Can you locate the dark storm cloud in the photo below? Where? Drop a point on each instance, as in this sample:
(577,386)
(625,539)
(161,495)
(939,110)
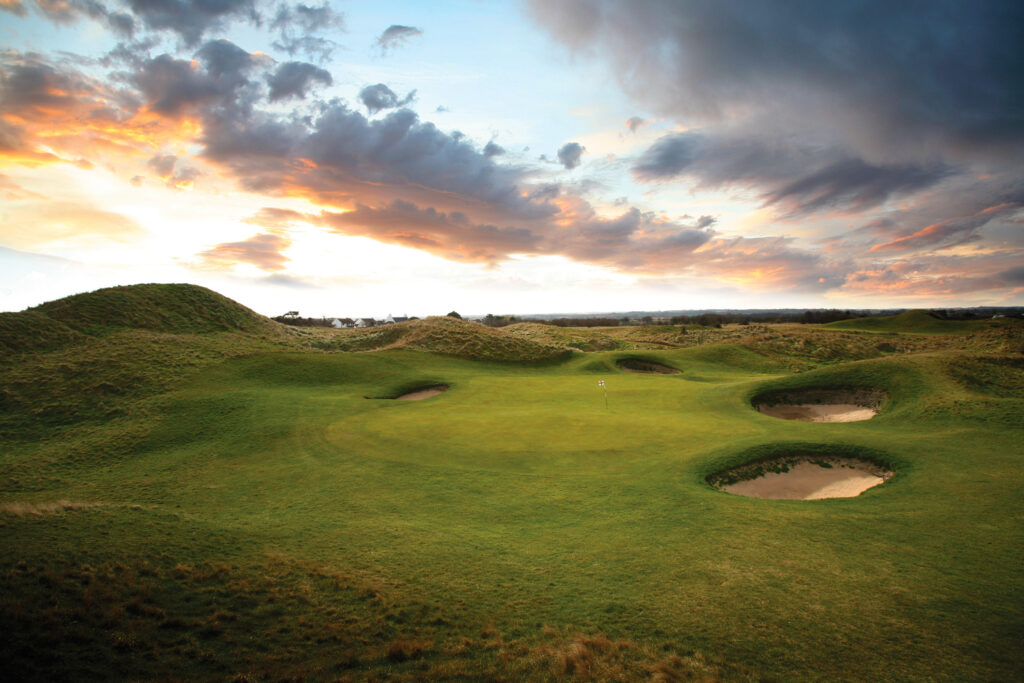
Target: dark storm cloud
(396,35)
(885,78)
(854,184)
(569,154)
(799,177)
(379,97)
(293,79)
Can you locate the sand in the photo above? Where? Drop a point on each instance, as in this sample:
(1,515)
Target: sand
(420,394)
(808,481)
(819,412)
(647,367)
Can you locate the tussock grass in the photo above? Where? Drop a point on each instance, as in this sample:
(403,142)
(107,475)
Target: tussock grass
(448,336)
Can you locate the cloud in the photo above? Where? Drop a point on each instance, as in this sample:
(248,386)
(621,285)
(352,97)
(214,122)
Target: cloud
(271,217)
(880,78)
(192,19)
(450,235)
(395,36)
(54,114)
(492,149)
(15,7)
(298,25)
(634,123)
(165,166)
(174,87)
(379,97)
(569,154)
(1013,276)
(57,223)
(263,251)
(950,232)
(293,79)
(797,176)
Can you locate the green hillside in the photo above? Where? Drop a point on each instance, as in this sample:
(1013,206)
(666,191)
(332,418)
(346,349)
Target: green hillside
(909,322)
(170,309)
(238,503)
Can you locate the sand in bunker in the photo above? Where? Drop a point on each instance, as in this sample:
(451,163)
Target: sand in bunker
(630,365)
(808,481)
(420,394)
(819,412)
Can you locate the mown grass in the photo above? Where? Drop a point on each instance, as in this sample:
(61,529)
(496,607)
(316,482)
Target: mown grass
(251,515)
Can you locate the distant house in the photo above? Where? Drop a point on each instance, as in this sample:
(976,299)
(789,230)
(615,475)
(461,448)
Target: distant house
(388,320)
(365,322)
(401,319)
(343,322)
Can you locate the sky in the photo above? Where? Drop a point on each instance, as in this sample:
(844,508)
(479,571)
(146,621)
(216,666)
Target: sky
(410,158)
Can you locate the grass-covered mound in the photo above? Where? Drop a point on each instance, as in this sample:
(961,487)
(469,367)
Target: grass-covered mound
(908,322)
(89,356)
(248,515)
(448,336)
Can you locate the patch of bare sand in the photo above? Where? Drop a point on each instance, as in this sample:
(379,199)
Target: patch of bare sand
(810,481)
(648,367)
(827,412)
(420,394)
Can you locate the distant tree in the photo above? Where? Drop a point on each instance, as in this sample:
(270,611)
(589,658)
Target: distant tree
(454,314)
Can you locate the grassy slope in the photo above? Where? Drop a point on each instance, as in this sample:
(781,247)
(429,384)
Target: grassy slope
(263,518)
(909,322)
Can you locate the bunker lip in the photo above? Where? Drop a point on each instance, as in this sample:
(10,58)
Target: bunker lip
(802,477)
(646,366)
(422,393)
(820,405)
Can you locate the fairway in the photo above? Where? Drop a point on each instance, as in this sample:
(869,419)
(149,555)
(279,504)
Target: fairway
(270,517)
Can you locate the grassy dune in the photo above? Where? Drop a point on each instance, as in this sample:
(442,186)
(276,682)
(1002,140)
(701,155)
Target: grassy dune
(239,510)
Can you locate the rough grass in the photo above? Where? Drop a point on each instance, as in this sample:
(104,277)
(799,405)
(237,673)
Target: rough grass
(228,506)
(448,336)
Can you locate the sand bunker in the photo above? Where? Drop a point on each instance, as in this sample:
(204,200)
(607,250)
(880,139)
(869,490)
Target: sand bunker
(422,393)
(834,412)
(804,478)
(650,367)
(822,405)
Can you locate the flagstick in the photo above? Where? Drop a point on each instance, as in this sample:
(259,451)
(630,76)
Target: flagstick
(600,383)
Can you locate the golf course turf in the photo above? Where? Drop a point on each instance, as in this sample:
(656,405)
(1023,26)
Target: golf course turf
(198,493)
